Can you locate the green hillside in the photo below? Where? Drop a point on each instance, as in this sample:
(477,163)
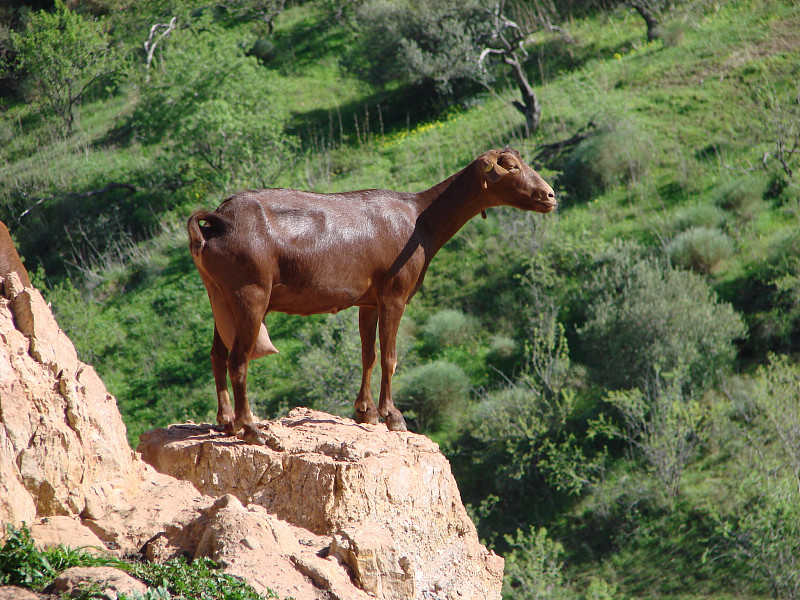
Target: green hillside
(616,384)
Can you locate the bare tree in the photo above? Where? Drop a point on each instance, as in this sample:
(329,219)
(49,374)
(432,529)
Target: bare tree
(506,41)
(648,10)
(152,41)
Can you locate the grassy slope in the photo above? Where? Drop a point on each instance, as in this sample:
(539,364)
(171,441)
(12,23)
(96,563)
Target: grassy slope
(146,325)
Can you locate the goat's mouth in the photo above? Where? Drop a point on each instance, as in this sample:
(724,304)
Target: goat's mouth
(545,205)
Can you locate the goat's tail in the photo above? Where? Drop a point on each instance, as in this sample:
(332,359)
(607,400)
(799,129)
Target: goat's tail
(198,235)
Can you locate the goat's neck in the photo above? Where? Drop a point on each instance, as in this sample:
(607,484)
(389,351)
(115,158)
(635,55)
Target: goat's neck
(447,206)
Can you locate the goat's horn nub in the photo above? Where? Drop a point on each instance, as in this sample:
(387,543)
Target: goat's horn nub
(488,167)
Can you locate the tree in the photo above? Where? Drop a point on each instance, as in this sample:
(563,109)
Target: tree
(63,54)
(649,11)
(428,43)
(215,105)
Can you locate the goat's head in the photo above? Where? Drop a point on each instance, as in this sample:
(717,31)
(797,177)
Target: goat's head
(512,182)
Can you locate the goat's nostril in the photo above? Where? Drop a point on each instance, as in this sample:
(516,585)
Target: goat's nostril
(551,195)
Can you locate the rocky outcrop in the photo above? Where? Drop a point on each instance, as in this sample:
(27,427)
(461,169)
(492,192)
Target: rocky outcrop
(65,460)
(383,503)
(328,509)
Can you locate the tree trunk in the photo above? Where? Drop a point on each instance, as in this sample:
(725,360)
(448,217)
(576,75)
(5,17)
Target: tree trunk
(529,106)
(649,18)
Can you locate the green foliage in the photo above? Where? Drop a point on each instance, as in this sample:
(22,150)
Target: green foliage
(329,373)
(23,564)
(663,426)
(764,534)
(700,215)
(431,392)
(217,107)
(741,196)
(63,55)
(621,152)
(200,578)
(645,317)
(446,328)
(533,567)
(433,43)
(701,249)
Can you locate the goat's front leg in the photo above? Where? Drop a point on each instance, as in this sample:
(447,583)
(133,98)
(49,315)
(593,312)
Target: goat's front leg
(219,366)
(389,321)
(248,314)
(365,410)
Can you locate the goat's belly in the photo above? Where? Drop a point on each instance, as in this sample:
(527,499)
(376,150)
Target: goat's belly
(312,302)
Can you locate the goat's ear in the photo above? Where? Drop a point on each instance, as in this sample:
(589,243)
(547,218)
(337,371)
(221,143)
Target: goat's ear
(492,172)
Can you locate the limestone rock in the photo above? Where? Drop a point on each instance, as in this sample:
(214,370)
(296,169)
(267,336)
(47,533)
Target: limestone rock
(53,531)
(386,502)
(111,581)
(12,592)
(62,444)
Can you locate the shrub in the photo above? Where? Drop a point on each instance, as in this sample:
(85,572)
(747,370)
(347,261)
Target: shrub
(431,391)
(215,105)
(447,328)
(699,215)
(645,317)
(741,195)
(619,153)
(533,567)
(428,43)
(504,354)
(700,249)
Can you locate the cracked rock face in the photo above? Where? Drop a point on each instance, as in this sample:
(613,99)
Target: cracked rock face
(385,504)
(63,449)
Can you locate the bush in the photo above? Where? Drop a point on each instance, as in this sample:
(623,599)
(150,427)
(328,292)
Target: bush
(63,55)
(645,317)
(741,195)
(428,43)
(619,153)
(700,249)
(533,567)
(431,391)
(700,215)
(447,328)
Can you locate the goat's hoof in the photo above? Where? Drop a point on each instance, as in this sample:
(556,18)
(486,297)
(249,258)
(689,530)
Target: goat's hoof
(396,422)
(369,416)
(252,435)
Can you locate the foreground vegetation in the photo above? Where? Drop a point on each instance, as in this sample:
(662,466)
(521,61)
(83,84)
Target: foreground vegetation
(23,564)
(616,384)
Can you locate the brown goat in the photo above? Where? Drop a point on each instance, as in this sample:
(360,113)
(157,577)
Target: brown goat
(307,253)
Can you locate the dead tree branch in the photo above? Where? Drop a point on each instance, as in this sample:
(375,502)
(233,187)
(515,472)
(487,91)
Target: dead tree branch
(150,44)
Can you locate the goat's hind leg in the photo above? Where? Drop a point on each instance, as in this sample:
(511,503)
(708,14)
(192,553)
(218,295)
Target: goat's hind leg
(365,410)
(249,315)
(219,366)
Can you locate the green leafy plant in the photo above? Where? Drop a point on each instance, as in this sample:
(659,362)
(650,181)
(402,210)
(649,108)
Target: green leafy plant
(23,564)
(199,579)
(620,153)
(63,54)
(432,391)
